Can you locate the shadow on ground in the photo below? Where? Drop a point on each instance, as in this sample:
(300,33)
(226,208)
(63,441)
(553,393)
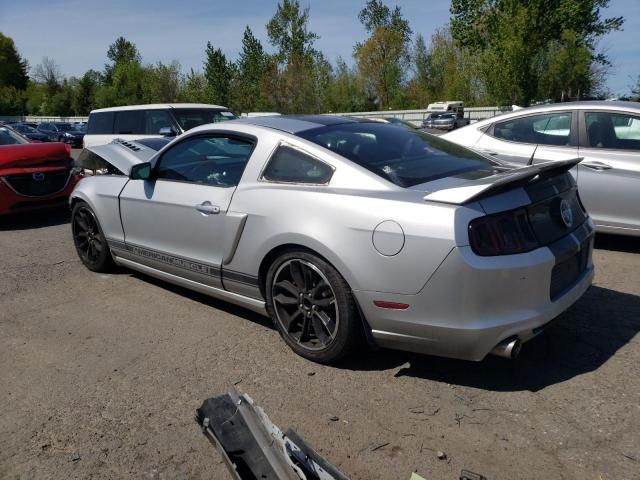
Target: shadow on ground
(618,243)
(579,341)
(31,220)
(206,300)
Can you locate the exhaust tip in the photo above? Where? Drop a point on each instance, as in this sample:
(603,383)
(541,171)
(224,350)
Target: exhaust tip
(509,348)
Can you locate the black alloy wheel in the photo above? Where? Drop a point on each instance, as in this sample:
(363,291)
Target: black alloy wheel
(89,240)
(312,307)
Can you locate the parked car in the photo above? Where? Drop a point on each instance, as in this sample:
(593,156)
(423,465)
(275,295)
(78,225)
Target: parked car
(29,132)
(149,121)
(34,176)
(605,134)
(62,132)
(341,228)
(442,121)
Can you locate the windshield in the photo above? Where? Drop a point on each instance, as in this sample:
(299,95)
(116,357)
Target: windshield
(189,118)
(65,127)
(9,137)
(24,129)
(402,156)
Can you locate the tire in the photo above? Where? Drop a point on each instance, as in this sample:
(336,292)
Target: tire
(312,307)
(89,240)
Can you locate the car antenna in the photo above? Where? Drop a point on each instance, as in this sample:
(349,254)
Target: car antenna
(530,162)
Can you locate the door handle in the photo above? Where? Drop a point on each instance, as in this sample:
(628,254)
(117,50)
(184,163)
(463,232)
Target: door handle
(489,152)
(207,208)
(597,166)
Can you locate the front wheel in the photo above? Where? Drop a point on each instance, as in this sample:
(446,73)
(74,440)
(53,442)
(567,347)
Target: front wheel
(313,307)
(91,244)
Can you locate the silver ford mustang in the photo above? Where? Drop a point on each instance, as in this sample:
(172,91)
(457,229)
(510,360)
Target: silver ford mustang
(342,230)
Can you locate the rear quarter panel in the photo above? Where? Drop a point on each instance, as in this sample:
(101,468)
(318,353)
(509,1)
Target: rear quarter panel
(338,224)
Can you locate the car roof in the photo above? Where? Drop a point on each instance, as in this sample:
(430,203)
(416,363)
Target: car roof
(581,105)
(157,106)
(295,124)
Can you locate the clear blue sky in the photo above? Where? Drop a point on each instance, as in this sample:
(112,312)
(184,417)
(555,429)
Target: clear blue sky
(77,33)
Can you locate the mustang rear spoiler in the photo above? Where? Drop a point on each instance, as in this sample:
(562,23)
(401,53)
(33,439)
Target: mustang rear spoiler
(476,189)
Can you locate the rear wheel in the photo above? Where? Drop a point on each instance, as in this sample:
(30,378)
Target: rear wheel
(312,307)
(91,244)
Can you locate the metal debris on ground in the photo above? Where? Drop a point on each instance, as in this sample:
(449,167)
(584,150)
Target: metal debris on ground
(253,447)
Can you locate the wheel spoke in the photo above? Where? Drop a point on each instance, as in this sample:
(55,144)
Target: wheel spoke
(288,319)
(304,333)
(327,322)
(283,299)
(324,302)
(288,287)
(319,330)
(98,246)
(82,222)
(297,275)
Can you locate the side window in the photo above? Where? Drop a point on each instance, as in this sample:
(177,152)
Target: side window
(289,165)
(613,130)
(209,160)
(154,120)
(547,129)
(100,123)
(129,122)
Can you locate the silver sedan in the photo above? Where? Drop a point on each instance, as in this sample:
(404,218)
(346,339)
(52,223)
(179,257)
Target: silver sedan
(343,230)
(605,134)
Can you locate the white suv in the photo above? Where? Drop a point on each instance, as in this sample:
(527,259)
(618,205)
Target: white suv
(149,121)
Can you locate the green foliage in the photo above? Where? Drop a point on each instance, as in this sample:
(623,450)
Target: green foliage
(288,31)
(218,73)
(522,40)
(377,15)
(85,95)
(635,91)
(495,52)
(13,69)
(384,57)
(251,68)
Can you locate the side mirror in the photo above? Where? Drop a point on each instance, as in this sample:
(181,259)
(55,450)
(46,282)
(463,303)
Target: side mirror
(167,132)
(141,171)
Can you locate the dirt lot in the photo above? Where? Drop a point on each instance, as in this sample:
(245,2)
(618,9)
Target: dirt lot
(101,374)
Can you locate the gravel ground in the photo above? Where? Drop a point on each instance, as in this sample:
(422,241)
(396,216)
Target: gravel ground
(101,374)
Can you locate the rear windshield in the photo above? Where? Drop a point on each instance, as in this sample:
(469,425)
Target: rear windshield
(402,156)
(189,118)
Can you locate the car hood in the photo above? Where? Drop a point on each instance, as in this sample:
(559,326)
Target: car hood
(120,153)
(43,156)
(458,191)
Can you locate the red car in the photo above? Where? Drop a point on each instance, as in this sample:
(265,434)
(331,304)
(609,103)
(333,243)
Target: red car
(34,176)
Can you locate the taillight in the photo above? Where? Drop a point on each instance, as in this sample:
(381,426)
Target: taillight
(502,234)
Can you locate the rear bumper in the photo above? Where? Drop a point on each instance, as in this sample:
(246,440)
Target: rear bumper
(472,303)
(12,202)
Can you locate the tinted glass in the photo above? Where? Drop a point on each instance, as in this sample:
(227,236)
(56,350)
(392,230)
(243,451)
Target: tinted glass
(64,127)
(100,123)
(189,118)
(129,122)
(402,156)
(292,166)
(155,120)
(548,129)
(217,161)
(613,130)
(8,137)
